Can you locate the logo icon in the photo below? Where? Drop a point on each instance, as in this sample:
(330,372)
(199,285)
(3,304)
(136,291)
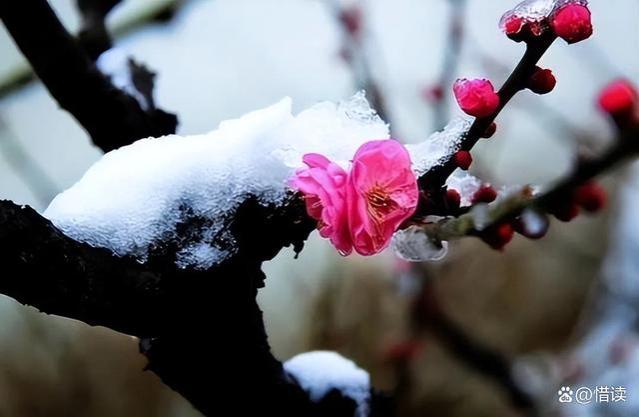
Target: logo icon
(565,395)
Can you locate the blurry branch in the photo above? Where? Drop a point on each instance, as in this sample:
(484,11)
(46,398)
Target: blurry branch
(93,35)
(428,315)
(452,52)
(111,117)
(161,10)
(626,147)
(354,53)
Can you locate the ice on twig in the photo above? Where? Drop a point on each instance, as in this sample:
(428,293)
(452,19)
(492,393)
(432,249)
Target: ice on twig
(439,147)
(320,372)
(144,195)
(414,245)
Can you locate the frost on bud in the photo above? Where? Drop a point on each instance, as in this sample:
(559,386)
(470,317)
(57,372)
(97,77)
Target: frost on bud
(485,194)
(618,99)
(498,236)
(572,22)
(591,197)
(476,97)
(513,25)
(463,159)
(542,81)
(532,18)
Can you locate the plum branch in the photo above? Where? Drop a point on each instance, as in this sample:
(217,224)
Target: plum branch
(111,117)
(435,178)
(626,147)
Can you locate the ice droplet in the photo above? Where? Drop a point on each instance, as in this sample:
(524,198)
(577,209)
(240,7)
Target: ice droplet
(534,223)
(481,216)
(414,245)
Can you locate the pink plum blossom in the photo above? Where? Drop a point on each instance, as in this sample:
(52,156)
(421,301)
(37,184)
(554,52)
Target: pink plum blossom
(323,184)
(381,194)
(361,209)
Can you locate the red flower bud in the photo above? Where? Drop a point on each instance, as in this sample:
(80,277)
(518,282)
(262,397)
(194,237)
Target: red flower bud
(351,19)
(453,199)
(591,197)
(498,236)
(566,211)
(490,131)
(513,25)
(618,98)
(485,194)
(476,97)
(572,23)
(542,81)
(463,159)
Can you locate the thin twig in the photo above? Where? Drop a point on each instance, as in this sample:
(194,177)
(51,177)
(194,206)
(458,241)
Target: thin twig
(626,147)
(436,177)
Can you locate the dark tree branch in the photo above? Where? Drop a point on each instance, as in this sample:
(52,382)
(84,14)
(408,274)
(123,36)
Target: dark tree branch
(93,35)
(202,331)
(111,117)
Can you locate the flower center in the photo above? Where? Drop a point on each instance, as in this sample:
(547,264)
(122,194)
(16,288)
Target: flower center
(380,203)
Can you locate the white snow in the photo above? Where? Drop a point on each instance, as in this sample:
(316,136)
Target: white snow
(115,64)
(439,146)
(319,372)
(465,184)
(135,197)
(414,245)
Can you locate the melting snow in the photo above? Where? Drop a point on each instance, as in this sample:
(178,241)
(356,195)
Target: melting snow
(136,197)
(413,244)
(439,146)
(320,372)
(465,184)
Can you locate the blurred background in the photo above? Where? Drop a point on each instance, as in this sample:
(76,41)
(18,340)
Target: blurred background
(481,333)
